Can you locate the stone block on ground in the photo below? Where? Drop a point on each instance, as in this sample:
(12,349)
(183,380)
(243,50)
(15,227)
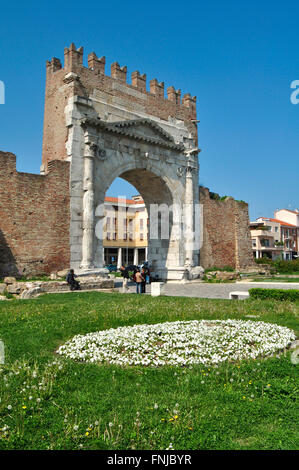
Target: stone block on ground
(62,273)
(14,289)
(9,280)
(157,289)
(2,288)
(238,295)
(226,276)
(196,272)
(31,293)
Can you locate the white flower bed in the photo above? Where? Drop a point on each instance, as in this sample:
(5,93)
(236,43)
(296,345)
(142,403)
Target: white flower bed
(179,343)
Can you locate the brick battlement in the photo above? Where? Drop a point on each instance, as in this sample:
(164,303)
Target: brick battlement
(73,62)
(74,79)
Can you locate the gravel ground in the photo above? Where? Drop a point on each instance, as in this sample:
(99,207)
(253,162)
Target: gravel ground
(212,291)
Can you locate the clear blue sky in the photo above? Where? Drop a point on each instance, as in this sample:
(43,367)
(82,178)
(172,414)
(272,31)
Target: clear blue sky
(238,58)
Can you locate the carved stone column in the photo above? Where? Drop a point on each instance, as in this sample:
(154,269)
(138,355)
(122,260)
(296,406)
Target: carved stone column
(88,205)
(189,218)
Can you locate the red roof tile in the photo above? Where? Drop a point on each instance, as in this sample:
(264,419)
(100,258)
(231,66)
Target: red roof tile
(128,201)
(281,222)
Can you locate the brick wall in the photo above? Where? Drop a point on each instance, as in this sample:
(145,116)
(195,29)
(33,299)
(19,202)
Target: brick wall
(34,218)
(226,234)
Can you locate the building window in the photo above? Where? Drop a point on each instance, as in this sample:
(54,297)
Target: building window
(114,235)
(254,242)
(108,222)
(265,242)
(141,224)
(108,236)
(131,236)
(141,236)
(125,236)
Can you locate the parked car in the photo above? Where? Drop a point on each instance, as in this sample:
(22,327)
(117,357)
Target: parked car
(111,267)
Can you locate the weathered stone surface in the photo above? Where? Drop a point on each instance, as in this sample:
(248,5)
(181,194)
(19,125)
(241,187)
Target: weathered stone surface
(225,235)
(9,280)
(14,288)
(31,289)
(34,214)
(223,275)
(2,288)
(62,273)
(31,293)
(226,276)
(157,289)
(196,272)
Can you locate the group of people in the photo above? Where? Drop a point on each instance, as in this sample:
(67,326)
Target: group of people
(140,277)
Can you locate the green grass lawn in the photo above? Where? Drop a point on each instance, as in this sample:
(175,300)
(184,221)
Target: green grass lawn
(49,402)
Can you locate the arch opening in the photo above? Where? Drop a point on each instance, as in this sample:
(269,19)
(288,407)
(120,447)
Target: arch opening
(138,229)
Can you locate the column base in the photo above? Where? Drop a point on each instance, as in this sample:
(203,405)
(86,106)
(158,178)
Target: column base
(93,272)
(178,273)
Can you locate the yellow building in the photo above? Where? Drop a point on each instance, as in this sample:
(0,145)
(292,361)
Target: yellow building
(125,231)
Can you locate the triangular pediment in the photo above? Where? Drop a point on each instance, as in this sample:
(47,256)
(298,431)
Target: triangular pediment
(141,129)
(144,129)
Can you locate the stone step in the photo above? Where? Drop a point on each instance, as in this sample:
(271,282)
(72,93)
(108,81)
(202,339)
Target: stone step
(81,290)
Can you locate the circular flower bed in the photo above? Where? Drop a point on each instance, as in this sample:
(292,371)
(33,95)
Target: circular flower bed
(179,343)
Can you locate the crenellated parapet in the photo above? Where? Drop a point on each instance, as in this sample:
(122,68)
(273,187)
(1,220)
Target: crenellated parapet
(53,65)
(73,57)
(157,88)
(73,62)
(111,97)
(138,80)
(96,64)
(189,102)
(174,95)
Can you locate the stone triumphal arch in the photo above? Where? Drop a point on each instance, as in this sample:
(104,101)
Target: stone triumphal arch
(164,172)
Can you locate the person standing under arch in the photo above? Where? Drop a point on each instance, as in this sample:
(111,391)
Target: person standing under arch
(139,279)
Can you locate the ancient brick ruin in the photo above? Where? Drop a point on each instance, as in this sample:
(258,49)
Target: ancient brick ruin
(96,128)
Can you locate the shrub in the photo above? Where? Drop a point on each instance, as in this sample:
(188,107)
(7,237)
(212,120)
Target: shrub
(280,265)
(264,260)
(291,295)
(283,266)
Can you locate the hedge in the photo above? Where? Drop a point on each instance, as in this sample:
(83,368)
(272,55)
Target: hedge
(275,294)
(280,266)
